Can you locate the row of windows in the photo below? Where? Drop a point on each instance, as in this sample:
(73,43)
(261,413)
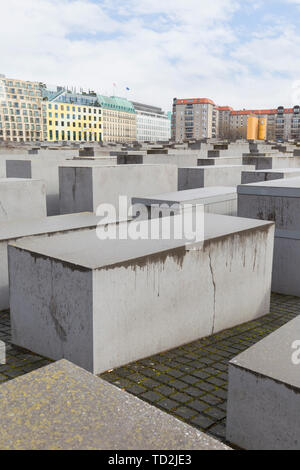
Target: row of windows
(74,124)
(19,133)
(74,108)
(5,105)
(78,136)
(18,84)
(20,126)
(68,116)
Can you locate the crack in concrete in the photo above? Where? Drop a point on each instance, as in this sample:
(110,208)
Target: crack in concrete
(215,288)
(1,206)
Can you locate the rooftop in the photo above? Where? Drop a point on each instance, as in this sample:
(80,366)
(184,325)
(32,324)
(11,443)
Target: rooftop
(115,103)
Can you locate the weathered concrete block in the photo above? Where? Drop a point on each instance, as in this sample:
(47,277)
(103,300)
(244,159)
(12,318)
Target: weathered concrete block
(46,227)
(63,407)
(2,167)
(22,198)
(83,188)
(220,161)
(204,176)
(216,200)
(213,153)
(157,151)
(87,152)
(279,201)
(130,159)
(183,159)
(258,176)
(103,304)
(264,393)
(39,168)
(271,162)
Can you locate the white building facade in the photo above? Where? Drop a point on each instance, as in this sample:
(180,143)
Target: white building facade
(152,124)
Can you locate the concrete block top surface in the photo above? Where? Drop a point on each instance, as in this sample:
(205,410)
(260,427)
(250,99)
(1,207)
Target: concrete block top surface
(87,251)
(272,356)
(201,195)
(217,167)
(96,164)
(9,181)
(63,407)
(28,227)
(289,187)
(279,170)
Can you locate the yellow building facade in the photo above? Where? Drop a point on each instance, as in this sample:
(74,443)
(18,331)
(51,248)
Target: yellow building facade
(69,122)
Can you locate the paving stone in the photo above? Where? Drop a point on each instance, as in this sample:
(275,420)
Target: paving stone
(135,389)
(190,379)
(215,381)
(220,393)
(150,384)
(181,397)
(211,399)
(215,413)
(194,392)
(200,374)
(164,390)
(168,404)
(202,422)
(186,413)
(206,387)
(198,405)
(218,431)
(175,373)
(178,384)
(151,396)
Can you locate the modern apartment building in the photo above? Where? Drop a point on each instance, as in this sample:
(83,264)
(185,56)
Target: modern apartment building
(119,119)
(22,112)
(282,123)
(196,118)
(224,113)
(152,124)
(201,118)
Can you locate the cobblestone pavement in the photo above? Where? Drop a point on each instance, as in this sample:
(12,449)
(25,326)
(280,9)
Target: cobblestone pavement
(189,382)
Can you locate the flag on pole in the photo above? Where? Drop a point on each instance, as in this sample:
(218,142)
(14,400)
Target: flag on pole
(128,89)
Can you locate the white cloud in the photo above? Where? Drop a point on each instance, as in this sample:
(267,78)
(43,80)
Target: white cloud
(159,48)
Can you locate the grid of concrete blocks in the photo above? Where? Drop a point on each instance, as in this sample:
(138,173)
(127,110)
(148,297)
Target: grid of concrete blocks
(159,318)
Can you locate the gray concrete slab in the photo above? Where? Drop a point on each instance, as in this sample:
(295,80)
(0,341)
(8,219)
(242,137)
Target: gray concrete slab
(63,407)
(204,176)
(258,176)
(103,304)
(220,161)
(84,187)
(181,159)
(45,169)
(218,200)
(46,227)
(279,201)
(270,161)
(264,393)
(21,198)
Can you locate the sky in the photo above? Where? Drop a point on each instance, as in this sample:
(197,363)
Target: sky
(241,53)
